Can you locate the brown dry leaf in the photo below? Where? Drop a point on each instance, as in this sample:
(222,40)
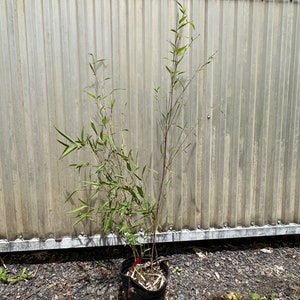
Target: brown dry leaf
(296,288)
(199,253)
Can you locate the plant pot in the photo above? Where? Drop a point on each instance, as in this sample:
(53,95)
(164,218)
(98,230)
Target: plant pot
(133,290)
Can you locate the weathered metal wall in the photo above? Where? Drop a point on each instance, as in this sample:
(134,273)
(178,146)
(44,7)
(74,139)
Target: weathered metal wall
(244,169)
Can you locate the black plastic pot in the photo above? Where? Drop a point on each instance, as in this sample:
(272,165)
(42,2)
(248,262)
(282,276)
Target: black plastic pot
(136,291)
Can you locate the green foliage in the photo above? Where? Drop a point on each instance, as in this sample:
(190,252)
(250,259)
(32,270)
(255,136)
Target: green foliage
(177,270)
(5,278)
(256,296)
(116,194)
(171,108)
(272,296)
(115,184)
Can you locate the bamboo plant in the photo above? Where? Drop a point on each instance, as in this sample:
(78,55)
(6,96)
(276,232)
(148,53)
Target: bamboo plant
(115,188)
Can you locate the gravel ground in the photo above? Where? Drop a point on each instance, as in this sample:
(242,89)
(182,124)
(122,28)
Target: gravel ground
(199,270)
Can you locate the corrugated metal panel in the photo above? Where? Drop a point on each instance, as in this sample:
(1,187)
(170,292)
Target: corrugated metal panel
(245,166)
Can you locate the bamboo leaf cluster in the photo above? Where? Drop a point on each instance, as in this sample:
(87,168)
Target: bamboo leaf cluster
(116,196)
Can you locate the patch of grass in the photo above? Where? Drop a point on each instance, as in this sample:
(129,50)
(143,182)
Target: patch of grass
(5,278)
(255,296)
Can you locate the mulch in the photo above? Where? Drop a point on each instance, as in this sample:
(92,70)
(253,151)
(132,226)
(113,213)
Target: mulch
(199,270)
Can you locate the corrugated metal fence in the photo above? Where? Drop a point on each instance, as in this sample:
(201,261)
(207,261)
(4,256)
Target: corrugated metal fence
(244,169)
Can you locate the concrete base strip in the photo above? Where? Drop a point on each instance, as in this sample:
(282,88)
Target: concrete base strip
(97,240)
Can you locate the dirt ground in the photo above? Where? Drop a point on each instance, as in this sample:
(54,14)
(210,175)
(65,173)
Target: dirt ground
(199,270)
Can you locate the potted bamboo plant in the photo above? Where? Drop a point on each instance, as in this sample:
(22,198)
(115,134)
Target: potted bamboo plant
(115,192)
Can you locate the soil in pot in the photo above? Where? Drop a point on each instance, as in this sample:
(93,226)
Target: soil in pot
(156,286)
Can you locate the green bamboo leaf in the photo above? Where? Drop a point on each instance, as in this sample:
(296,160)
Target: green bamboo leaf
(82,135)
(137,176)
(65,136)
(181,26)
(103,207)
(182,10)
(91,95)
(111,142)
(93,126)
(107,224)
(72,194)
(179,4)
(116,89)
(101,135)
(128,166)
(144,169)
(120,176)
(133,194)
(182,19)
(77,209)
(192,24)
(180,50)
(68,150)
(93,194)
(100,60)
(82,216)
(112,103)
(64,144)
(140,191)
(168,69)
(123,229)
(104,120)
(92,68)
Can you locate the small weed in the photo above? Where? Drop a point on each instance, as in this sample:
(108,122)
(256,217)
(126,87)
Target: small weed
(255,296)
(5,278)
(234,296)
(272,296)
(177,270)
